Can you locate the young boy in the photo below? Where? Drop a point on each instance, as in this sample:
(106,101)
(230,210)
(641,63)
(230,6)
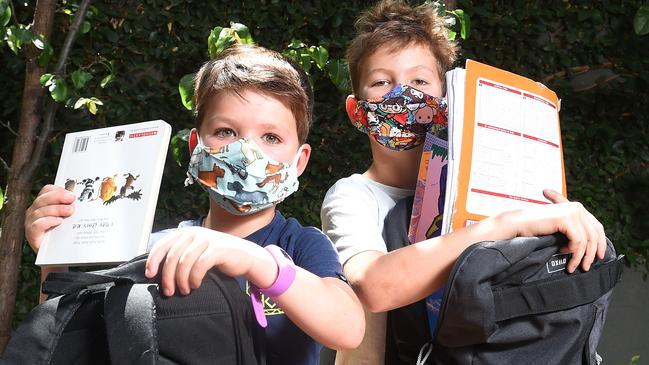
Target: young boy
(399,52)
(253,115)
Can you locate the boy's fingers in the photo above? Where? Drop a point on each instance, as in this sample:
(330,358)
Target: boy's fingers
(577,242)
(591,243)
(60,210)
(171,263)
(601,236)
(205,262)
(187,263)
(554,196)
(158,253)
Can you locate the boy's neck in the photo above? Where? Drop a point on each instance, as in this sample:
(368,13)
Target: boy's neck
(237,225)
(394,168)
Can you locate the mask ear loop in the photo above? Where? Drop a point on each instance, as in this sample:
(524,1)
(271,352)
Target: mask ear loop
(297,155)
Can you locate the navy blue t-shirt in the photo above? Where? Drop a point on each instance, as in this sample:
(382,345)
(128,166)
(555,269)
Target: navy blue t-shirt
(311,250)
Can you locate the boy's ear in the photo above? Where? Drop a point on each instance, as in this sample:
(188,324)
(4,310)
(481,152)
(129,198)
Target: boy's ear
(193,140)
(302,161)
(350,106)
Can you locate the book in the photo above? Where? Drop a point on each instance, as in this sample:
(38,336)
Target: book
(428,204)
(504,144)
(504,147)
(115,174)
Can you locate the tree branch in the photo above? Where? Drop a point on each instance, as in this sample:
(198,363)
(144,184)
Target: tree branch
(13,11)
(52,107)
(6,125)
(4,164)
(71,36)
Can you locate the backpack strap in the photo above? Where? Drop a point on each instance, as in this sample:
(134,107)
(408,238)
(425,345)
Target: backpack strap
(73,282)
(129,314)
(557,294)
(35,340)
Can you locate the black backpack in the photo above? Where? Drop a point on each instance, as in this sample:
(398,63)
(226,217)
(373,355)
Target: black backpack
(512,302)
(506,302)
(117,316)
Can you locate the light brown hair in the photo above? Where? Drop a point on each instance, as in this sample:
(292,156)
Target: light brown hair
(395,24)
(256,68)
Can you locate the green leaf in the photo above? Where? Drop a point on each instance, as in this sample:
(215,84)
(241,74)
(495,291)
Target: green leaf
(90,103)
(178,144)
(2,199)
(212,40)
(58,89)
(186,89)
(451,34)
(92,108)
(296,44)
(465,23)
(5,14)
(45,79)
(338,72)
(46,55)
(85,27)
(107,80)
(242,32)
(79,103)
(79,78)
(641,20)
(17,36)
(320,55)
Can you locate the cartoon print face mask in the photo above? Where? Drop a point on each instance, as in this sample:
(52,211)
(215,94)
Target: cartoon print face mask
(400,119)
(240,177)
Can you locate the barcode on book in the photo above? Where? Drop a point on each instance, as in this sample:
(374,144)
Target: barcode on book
(80,144)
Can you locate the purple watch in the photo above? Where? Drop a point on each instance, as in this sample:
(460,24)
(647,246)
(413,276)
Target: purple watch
(285,277)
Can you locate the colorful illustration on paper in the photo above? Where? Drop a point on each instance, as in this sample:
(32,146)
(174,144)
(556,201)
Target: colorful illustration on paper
(108,189)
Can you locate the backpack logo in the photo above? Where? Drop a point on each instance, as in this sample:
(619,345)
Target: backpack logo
(557,262)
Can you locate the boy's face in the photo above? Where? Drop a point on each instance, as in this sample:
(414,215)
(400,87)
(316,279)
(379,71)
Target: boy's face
(413,65)
(260,117)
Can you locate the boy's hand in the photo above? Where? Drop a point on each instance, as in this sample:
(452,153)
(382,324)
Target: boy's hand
(585,233)
(188,254)
(48,210)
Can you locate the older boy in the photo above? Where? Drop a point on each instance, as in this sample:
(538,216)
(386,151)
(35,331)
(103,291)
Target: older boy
(253,115)
(401,51)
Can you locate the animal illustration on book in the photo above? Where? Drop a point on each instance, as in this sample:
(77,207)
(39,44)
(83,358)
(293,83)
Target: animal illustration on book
(88,188)
(70,184)
(106,191)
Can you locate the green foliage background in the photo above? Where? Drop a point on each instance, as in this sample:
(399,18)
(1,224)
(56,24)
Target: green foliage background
(154,43)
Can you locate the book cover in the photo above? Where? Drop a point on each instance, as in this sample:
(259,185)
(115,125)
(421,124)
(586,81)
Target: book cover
(432,199)
(505,144)
(115,173)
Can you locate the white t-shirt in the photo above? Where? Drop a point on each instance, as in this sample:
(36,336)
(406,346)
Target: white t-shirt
(353,212)
(352,216)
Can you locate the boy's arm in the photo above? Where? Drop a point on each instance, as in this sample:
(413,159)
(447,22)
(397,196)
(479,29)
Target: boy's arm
(317,305)
(417,270)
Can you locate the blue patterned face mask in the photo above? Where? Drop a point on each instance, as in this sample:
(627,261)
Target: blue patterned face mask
(240,177)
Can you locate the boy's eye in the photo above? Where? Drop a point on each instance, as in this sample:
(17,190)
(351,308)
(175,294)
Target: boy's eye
(419,82)
(224,133)
(380,83)
(271,138)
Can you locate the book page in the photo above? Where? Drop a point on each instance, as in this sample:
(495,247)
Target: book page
(511,145)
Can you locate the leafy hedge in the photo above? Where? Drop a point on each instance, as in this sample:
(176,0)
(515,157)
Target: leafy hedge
(588,53)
